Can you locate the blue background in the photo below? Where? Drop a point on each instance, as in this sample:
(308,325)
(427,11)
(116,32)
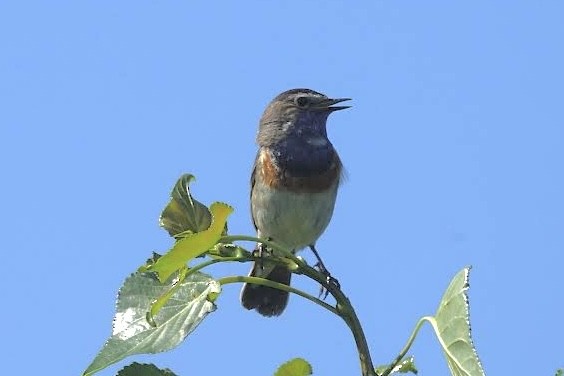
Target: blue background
(454,151)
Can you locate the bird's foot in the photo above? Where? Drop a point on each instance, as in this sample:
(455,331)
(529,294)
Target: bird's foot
(323,292)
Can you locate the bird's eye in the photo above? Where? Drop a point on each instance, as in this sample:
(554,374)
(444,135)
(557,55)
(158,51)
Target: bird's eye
(302,101)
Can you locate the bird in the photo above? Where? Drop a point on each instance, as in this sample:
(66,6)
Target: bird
(294,183)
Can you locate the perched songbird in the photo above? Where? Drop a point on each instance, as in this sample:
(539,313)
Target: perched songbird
(293,186)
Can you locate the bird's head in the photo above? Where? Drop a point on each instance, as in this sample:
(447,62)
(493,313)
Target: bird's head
(299,113)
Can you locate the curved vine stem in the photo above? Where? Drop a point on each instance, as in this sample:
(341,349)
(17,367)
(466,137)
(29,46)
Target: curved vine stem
(343,307)
(348,314)
(407,346)
(280,286)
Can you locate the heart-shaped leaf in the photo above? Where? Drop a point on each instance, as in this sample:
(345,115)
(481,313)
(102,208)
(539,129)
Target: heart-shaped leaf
(452,327)
(143,369)
(294,367)
(182,313)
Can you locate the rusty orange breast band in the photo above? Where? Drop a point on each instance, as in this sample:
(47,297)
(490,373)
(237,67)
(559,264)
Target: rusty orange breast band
(274,176)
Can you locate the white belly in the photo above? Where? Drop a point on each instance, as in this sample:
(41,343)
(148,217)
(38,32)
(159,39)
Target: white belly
(294,220)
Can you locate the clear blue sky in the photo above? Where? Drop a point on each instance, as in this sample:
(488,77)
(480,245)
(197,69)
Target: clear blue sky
(454,150)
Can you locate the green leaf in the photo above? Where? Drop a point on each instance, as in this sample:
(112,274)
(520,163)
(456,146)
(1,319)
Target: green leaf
(160,302)
(405,366)
(452,327)
(182,313)
(138,369)
(183,213)
(193,245)
(560,372)
(294,367)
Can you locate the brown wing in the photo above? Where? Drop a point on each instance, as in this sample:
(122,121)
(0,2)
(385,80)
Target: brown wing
(253,180)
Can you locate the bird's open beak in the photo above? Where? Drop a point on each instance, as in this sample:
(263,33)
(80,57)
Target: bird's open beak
(327,104)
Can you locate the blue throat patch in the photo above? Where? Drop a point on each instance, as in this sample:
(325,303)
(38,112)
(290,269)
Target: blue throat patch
(298,158)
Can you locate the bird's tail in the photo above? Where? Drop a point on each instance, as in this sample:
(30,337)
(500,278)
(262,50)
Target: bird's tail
(265,300)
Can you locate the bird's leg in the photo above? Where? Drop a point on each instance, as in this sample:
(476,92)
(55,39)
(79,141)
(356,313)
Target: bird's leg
(260,252)
(321,267)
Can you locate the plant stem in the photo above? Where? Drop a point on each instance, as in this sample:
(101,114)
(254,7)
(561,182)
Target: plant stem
(407,346)
(276,285)
(348,314)
(343,308)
